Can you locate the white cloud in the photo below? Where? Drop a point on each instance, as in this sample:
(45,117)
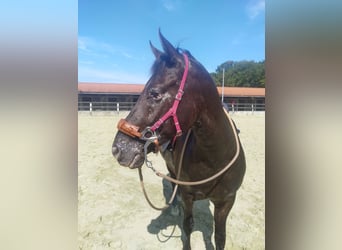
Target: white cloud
(171,5)
(99,75)
(99,61)
(82,44)
(92,47)
(89,47)
(255,8)
(125,54)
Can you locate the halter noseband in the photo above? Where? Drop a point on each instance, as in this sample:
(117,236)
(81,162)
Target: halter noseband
(149,133)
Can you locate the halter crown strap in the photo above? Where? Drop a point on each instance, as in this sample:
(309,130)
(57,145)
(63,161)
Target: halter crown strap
(173,110)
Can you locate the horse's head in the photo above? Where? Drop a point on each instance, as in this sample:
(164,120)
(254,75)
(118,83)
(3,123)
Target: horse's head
(155,113)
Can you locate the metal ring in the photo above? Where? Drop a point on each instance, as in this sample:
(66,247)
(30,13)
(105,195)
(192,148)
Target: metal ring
(153,136)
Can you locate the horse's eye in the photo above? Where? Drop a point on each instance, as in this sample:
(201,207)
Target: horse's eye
(155,94)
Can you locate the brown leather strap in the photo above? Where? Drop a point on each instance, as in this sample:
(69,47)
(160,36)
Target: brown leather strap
(128,128)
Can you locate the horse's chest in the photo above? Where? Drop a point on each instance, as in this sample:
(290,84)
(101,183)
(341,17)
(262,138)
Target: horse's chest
(189,170)
(197,195)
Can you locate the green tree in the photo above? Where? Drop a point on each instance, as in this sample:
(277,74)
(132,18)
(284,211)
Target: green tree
(241,74)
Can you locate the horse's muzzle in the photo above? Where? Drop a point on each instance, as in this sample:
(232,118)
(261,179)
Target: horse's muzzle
(128,152)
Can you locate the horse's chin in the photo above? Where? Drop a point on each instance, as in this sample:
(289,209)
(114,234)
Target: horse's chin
(136,162)
(126,161)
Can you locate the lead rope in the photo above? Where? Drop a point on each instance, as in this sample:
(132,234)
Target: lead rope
(178,175)
(193,183)
(190,183)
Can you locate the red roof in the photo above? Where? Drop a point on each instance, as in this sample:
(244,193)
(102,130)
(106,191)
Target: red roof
(240,91)
(116,88)
(119,88)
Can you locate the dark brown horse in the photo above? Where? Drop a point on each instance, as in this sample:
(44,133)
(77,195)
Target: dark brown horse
(181,96)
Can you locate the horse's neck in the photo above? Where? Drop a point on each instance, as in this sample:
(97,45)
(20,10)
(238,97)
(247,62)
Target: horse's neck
(214,136)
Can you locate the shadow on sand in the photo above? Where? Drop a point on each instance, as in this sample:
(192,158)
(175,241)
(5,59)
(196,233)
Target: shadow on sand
(165,224)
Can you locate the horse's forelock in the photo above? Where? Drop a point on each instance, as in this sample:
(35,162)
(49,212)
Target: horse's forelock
(164,60)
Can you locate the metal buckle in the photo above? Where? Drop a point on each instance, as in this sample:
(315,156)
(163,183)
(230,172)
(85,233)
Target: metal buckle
(179,95)
(148,135)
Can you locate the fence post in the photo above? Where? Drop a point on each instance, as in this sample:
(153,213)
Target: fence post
(90,108)
(118,108)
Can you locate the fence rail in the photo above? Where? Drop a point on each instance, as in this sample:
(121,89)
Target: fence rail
(105,106)
(126,106)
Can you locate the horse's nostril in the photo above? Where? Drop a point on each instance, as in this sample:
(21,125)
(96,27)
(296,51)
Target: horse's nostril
(115,151)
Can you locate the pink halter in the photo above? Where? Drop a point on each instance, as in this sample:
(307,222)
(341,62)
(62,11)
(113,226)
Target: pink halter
(133,130)
(173,110)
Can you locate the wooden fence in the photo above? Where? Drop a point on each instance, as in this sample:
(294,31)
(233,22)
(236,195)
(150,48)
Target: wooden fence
(126,106)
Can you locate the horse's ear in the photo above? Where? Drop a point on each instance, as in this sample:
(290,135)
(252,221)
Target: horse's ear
(167,46)
(157,53)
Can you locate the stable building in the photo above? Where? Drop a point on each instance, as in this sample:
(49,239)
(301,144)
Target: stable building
(114,96)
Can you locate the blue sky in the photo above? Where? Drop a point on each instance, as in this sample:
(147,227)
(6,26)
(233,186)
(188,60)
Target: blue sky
(113,36)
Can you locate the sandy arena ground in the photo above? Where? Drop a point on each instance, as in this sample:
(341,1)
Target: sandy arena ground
(113,213)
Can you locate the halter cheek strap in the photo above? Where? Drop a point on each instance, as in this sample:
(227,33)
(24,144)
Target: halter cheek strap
(173,110)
